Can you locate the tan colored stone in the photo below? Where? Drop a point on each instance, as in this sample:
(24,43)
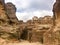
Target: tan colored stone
(11,12)
(52,37)
(3,15)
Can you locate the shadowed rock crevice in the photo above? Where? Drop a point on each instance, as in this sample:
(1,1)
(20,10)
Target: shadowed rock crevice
(24,35)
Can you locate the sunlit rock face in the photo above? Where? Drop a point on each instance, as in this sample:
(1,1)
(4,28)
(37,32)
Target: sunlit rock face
(35,30)
(52,37)
(11,12)
(57,27)
(37,27)
(3,15)
(7,16)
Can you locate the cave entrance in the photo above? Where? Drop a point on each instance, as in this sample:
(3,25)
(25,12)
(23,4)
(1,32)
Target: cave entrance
(24,34)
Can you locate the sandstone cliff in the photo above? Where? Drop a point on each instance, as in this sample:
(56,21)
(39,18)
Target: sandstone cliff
(3,16)
(8,20)
(32,30)
(11,12)
(56,9)
(52,37)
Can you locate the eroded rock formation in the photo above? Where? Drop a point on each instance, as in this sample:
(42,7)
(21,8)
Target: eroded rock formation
(37,27)
(7,16)
(3,16)
(11,12)
(32,30)
(52,37)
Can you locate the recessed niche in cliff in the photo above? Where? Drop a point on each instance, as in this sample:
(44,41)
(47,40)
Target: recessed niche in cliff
(24,35)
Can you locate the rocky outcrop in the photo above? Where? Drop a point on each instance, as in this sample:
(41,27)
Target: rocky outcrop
(8,21)
(57,20)
(11,12)
(37,27)
(56,6)
(32,30)
(46,20)
(52,37)
(56,9)
(3,16)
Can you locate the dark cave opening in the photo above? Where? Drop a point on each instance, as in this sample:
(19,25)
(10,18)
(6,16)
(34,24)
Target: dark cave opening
(24,35)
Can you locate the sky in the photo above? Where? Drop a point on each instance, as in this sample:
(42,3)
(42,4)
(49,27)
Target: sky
(26,9)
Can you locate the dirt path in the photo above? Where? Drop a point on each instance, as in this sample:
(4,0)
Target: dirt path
(3,42)
(21,43)
(24,43)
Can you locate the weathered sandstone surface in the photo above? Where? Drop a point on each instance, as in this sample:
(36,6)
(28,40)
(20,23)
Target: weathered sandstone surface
(43,29)
(52,37)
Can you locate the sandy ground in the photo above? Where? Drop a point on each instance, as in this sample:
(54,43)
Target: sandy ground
(3,42)
(24,43)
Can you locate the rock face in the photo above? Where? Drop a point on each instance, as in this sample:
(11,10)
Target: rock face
(57,20)
(56,9)
(11,12)
(7,16)
(35,30)
(56,6)
(37,27)
(52,37)
(3,15)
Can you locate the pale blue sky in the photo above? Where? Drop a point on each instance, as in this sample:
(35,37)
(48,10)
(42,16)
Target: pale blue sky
(26,9)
